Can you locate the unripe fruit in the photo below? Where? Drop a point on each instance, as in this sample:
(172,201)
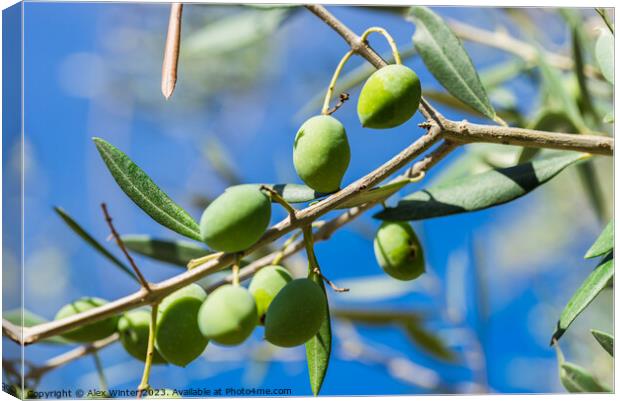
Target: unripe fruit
(228,316)
(295,314)
(236,219)
(265,285)
(177,335)
(321,153)
(90,332)
(389,97)
(133,330)
(398,251)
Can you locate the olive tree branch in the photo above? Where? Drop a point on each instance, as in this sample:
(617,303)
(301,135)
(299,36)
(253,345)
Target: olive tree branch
(222,260)
(502,40)
(466,132)
(463,131)
(70,356)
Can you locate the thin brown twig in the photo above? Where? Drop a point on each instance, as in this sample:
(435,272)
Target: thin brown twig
(502,40)
(70,356)
(171,51)
(121,245)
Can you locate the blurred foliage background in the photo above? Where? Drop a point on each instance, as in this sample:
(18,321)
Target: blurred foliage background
(480,320)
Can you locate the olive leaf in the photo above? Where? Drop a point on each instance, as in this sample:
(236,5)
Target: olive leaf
(444,56)
(319,347)
(576,379)
(234,32)
(604,53)
(605,339)
(589,289)
(479,191)
(558,94)
(603,244)
(93,242)
(145,193)
(30,319)
(378,316)
(428,342)
(178,253)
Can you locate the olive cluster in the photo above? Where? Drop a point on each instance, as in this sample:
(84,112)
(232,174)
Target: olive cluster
(291,310)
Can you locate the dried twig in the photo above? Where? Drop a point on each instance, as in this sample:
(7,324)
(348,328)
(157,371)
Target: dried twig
(171,51)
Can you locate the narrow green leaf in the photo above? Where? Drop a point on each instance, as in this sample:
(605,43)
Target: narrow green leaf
(589,289)
(234,32)
(479,191)
(145,193)
(444,56)
(577,380)
(609,118)
(604,243)
(585,96)
(73,225)
(428,342)
(558,94)
(30,319)
(292,193)
(605,339)
(604,53)
(319,348)
(374,195)
(601,11)
(378,317)
(178,253)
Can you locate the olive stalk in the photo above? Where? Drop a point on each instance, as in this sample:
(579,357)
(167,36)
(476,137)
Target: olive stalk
(103,384)
(332,83)
(388,37)
(150,351)
(313,263)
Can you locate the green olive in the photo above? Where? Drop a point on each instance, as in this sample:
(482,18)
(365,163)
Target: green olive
(321,153)
(133,330)
(177,335)
(295,314)
(236,219)
(89,332)
(389,97)
(398,251)
(265,285)
(228,316)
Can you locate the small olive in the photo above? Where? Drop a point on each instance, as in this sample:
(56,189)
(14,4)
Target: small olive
(265,285)
(133,330)
(177,335)
(236,219)
(398,250)
(321,153)
(228,316)
(295,314)
(389,97)
(92,331)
